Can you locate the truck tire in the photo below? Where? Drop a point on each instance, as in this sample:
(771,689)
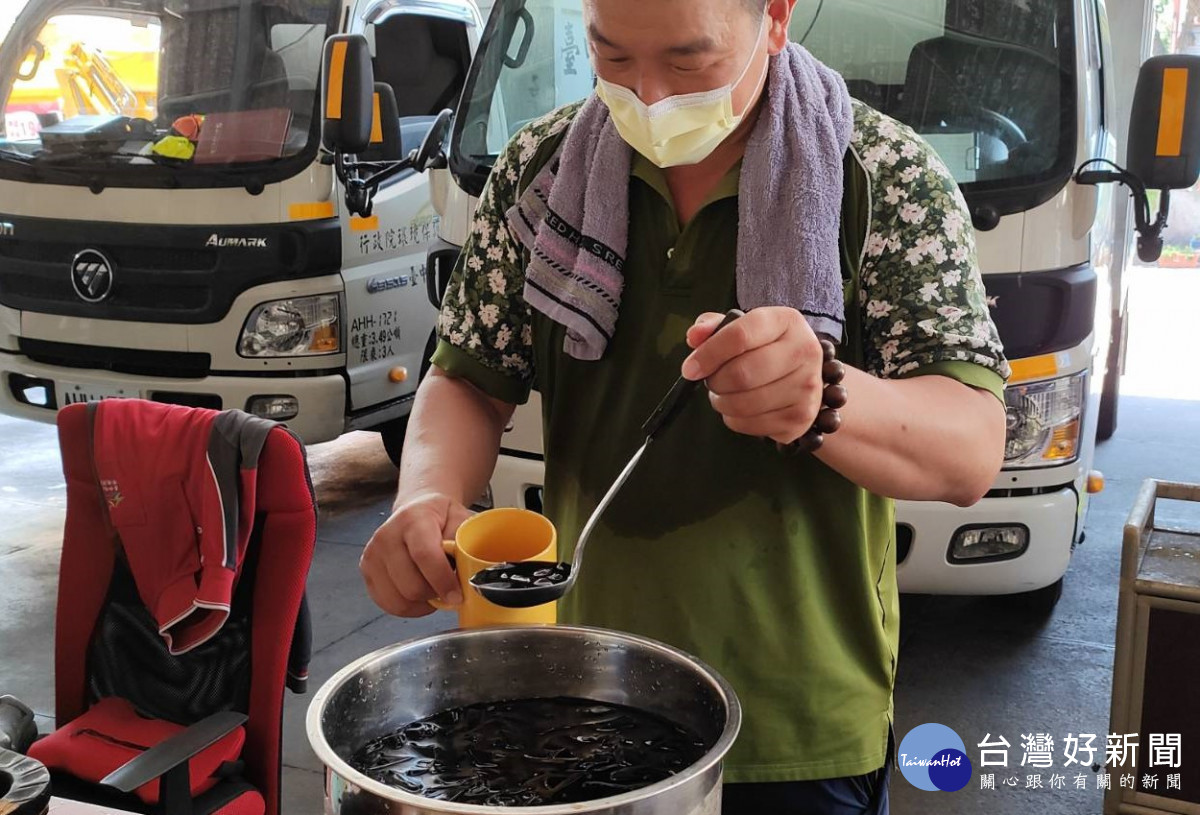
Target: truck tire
(392,433)
(1110,396)
(1039,602)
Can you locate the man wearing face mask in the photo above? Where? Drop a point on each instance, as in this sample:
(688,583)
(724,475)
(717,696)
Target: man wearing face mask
(718,166)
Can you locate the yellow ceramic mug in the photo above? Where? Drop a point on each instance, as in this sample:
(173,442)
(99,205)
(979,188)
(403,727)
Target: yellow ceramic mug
(504,535)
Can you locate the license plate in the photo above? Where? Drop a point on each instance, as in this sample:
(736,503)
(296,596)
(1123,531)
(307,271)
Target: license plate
(71,393)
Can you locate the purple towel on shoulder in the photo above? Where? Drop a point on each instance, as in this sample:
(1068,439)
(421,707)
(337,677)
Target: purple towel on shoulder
(574,216)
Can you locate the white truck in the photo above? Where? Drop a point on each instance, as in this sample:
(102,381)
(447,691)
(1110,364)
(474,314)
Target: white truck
(172,228)
(1015,96)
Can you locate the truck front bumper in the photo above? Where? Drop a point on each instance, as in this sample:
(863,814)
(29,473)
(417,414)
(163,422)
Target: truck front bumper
(35,391)
(927,531)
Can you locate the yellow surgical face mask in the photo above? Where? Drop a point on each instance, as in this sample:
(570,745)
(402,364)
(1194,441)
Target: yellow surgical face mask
(682,129)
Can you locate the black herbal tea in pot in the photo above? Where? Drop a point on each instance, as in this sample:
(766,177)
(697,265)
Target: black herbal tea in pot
(531,752)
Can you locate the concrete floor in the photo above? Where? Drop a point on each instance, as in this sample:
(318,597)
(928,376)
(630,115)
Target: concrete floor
(969,663)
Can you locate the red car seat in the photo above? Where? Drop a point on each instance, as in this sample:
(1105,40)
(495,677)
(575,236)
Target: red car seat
(145,730)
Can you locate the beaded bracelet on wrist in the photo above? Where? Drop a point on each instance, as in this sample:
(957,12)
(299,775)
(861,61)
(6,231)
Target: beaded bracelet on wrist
(832,399)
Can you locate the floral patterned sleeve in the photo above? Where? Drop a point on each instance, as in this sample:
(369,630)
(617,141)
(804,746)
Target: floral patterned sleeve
(485,328)
(924,309)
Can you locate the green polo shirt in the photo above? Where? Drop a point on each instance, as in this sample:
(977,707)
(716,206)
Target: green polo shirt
(775,570)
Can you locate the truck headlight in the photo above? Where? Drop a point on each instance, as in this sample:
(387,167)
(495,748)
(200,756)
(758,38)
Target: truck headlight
(1043,422)
(302,326)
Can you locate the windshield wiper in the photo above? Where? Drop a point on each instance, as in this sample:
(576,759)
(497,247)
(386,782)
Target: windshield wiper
(39,172)
(15,155)
(65,164)
(84,156)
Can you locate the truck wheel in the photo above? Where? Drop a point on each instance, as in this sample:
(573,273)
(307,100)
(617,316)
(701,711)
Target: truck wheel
(393,432)
(1040,602)
(1110,396)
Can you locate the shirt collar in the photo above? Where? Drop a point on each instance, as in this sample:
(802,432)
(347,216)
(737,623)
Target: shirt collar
(644,169)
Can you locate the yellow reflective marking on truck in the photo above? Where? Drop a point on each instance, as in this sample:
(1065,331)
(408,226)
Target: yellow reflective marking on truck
(311,211)
(1174,106)
(1043,367)
(337,74)
(370,224)
(376,124)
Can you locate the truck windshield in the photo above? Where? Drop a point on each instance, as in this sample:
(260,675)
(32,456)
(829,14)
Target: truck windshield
(8,13)
(989,83)
(162,92)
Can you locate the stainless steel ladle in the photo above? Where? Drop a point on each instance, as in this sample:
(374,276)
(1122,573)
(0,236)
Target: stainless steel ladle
(535,582)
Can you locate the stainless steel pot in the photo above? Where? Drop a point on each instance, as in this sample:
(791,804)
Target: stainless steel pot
(409,681)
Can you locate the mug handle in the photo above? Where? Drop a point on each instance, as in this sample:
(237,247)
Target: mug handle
(449,547)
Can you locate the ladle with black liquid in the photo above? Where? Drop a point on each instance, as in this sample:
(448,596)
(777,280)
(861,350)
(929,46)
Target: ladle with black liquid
(535,582)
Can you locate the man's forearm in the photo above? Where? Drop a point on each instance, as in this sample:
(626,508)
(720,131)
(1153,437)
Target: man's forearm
(927,438)
(453,440)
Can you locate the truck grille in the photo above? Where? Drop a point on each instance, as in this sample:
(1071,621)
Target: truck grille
(174,364)
(161,273)
(43,283)
(133,257)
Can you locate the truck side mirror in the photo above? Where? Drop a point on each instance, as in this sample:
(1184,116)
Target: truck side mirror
(348,102)
(385,123)
(431,155)
(1164,145)
(360,114)
(1164,127)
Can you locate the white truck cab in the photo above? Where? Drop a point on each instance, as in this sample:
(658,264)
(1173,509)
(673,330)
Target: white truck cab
(1015,97)
(173,228)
